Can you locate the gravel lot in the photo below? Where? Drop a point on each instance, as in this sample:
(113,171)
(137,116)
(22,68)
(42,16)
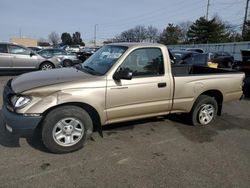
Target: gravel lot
(156,152)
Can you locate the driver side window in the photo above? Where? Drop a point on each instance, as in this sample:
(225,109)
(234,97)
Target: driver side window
(144,62)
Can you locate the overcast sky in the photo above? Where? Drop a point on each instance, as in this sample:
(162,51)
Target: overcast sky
(38,18)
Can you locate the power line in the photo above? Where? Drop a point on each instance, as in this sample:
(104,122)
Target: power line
(155,18)
(147,16)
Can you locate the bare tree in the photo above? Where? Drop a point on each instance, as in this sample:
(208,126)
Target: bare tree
(184,26)
(54,38)
(126,36)
(140,33)
(137,34)
(152,34)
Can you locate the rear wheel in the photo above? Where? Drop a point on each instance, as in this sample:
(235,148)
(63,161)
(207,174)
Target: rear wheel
(230,64)
(46,66)
(204,111)
(65,129)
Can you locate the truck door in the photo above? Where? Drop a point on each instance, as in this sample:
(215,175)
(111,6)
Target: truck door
(148,92)
(5,57)
(21,58)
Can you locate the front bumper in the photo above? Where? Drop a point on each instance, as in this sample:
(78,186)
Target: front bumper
(77,61)
(18,123)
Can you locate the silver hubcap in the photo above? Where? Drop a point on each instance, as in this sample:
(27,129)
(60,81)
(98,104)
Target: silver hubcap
(206,114)
(68,132)
(47,66)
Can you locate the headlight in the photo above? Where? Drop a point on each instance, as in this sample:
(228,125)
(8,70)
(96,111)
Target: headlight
(20,101)
(59,59)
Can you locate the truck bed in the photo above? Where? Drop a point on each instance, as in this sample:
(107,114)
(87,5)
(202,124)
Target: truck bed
(185,70)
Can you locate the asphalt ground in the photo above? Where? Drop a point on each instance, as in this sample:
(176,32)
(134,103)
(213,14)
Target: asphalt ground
(155,152)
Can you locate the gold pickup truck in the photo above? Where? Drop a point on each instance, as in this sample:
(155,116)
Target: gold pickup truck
(120,82)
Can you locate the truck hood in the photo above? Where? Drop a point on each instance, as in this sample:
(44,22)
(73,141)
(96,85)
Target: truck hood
(49,77)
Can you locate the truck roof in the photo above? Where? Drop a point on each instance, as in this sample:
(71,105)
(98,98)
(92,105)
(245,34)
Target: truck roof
(137,44)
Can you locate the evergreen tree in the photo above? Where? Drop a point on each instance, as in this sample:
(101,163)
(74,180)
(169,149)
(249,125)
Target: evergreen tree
(171,35)
(207,31)
(76,38)
(66,38)
(246,33)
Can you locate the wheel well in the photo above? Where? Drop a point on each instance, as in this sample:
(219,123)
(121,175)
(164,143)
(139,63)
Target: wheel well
(46,62)
(67,60)
(91,110)
(218,97)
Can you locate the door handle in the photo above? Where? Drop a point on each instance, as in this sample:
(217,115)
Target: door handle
(120,88)
(163,84)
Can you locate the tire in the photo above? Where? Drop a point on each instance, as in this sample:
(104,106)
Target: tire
(65,129)
(46,66)
(230,64)
(204,111)
(67,63)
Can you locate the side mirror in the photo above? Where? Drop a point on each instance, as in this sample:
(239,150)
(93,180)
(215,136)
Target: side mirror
(32,53)
(123,74)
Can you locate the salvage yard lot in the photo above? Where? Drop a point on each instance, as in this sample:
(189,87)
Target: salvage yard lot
(156,152)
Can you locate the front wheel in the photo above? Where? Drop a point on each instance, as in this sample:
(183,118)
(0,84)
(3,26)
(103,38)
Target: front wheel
(204,111)
(67,63)
(65,129)
(46,66)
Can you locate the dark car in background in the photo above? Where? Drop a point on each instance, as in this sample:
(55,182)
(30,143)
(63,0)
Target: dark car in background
(17,58)
(67,59)
(189,58)
(244,65)
(85,53)
(223,59)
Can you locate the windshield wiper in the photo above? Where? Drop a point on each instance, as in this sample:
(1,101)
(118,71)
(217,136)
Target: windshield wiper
(92,71)
(88,67)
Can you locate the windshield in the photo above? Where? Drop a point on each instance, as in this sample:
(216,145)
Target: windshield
(101,61)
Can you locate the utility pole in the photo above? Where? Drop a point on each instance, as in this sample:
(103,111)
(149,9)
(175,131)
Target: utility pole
(208,4)
(95,34)
(245,19)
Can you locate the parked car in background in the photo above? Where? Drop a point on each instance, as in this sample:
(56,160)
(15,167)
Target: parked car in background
(35,49)
(72,48)
(198,50)
(85,53)
(244,65)
(15,57)
(189,58)
(223,59)
(67,59)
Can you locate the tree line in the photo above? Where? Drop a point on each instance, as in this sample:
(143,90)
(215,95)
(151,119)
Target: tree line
(65,39)
(199,31)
